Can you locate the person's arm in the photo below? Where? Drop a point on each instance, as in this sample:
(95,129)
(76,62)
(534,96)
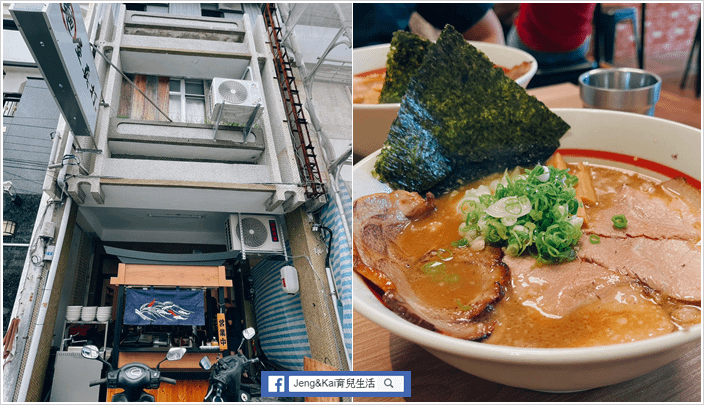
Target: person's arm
(488,29)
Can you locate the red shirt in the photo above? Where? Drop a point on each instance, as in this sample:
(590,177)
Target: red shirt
(554,27)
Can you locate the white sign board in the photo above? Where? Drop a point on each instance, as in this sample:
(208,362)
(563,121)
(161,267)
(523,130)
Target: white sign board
(57,38)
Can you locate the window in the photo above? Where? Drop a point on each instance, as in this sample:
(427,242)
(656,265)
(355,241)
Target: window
(187,101)
(148,7)
(211,10)
(183,100)
(218,10)
(9,103)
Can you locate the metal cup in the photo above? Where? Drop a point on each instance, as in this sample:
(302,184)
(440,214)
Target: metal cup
(622,89)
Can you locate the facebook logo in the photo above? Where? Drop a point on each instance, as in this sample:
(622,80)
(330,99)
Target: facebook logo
(336,383)
(276,383)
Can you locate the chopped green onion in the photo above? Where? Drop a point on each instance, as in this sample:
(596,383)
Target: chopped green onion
(619,221)
(433,268)
(594,239)
(532,212)
(446,257)
(460,243)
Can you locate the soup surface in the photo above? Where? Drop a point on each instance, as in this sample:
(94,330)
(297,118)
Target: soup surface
(367,86)
(625,284)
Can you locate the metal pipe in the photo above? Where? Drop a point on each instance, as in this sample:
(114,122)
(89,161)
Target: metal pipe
(15,245)
(335,169)
(46,296)
(131,82)
(61,178)
(54,147)
(292,41)
(335,303)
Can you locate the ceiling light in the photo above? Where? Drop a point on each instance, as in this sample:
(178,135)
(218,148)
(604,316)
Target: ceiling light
(185,216)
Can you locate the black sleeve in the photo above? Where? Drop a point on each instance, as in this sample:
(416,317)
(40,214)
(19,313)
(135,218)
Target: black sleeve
(462,16)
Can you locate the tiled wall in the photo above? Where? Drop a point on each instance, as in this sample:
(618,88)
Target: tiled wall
(669,28)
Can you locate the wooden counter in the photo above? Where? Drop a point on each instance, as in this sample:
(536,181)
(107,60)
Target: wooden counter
(433,380)
(671,106)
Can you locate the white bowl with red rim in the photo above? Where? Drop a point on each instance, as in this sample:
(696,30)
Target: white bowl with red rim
(653,146)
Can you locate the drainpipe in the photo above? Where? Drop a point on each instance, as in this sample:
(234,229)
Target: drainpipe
(336,307)
(46,295)
(335,170)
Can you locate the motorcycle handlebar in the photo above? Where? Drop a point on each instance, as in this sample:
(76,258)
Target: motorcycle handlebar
(98,382)
(167,380)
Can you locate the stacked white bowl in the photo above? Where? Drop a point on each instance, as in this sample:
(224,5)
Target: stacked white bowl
(88,314)
(73,313)
(104,314)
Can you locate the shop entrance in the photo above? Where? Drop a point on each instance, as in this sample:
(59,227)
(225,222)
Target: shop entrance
(220,287)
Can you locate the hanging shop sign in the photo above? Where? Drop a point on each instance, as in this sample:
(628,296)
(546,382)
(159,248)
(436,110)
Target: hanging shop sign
(164,307)
(57,38)
(222,331)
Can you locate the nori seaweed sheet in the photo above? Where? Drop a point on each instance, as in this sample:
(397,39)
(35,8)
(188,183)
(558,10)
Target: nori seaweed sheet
(406,53)
(472,119)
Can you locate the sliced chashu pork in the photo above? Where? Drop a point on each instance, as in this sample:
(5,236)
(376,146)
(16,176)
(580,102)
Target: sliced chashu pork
(648,214)
(596,305)
(670,266)
(449,299)
(556,290)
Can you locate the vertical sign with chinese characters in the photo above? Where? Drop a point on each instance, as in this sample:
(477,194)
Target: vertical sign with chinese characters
(57,39)
(222,332)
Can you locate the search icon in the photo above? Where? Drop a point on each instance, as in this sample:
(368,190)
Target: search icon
(388,383)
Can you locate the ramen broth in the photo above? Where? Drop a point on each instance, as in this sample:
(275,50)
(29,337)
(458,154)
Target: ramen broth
(631,312)
(367,86)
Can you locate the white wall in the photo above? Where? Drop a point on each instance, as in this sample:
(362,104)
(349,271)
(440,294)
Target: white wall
(14,48)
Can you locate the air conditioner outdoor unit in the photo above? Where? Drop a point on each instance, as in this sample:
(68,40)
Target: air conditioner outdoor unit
(238,99)
(261,234)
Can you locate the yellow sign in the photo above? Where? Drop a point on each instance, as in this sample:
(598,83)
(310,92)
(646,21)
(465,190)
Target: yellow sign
(222,332)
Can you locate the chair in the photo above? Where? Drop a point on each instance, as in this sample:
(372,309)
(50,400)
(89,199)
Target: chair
(696,44)
(605,21)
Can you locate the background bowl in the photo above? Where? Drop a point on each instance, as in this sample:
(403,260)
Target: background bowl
(664,149)
(371,122)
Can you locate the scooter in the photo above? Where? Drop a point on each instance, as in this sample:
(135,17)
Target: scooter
(133,378)
(225,382)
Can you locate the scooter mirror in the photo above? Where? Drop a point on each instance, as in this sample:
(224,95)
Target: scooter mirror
(248,333)
(175,353)
(90,352)
(205,363)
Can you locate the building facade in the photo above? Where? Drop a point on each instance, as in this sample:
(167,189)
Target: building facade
(194,137)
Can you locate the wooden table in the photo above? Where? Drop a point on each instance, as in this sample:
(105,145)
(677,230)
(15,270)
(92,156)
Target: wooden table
(432,380)
(671,106)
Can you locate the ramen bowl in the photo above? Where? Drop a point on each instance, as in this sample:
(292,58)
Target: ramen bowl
(372,121)
(659,148)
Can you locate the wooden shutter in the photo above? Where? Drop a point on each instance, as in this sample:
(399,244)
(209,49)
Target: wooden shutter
(133,104)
